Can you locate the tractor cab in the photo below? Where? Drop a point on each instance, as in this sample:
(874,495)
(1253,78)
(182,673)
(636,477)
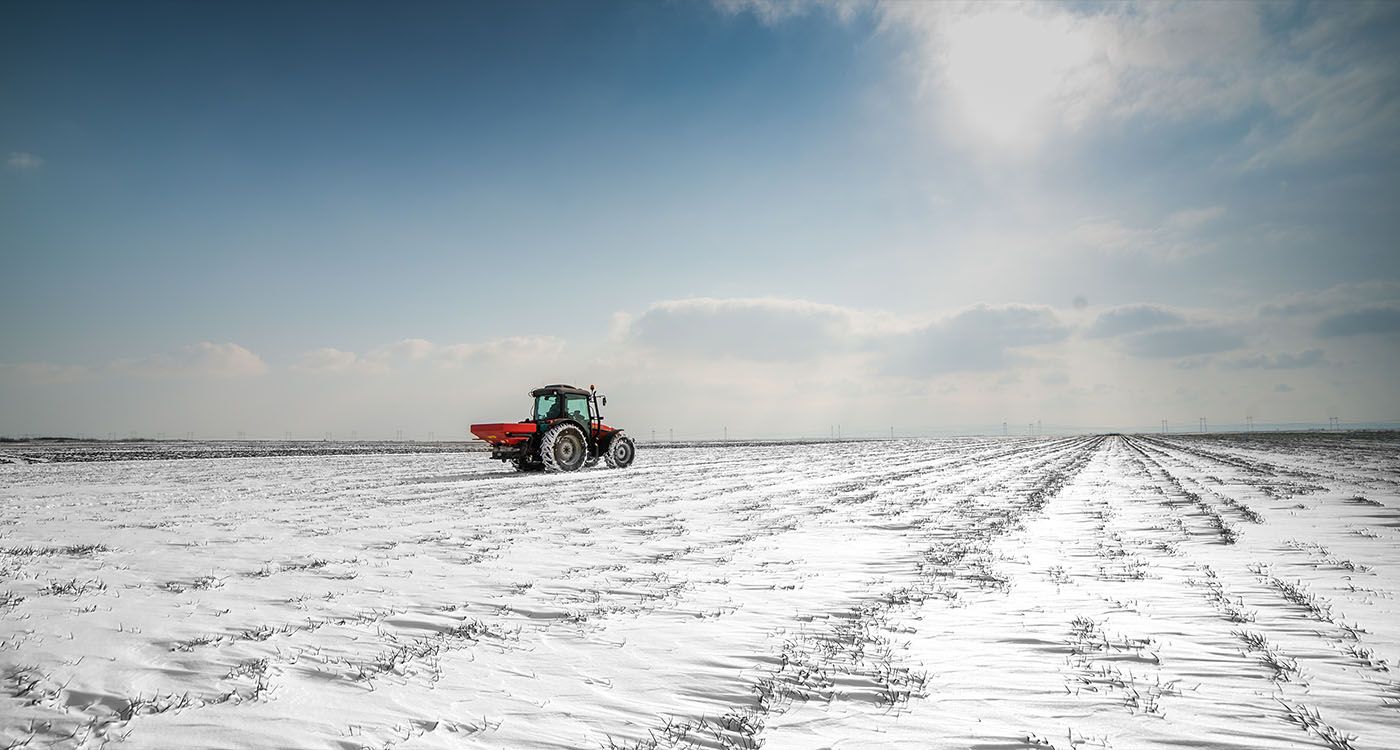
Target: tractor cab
(556,402)
(561,402)
(564,432)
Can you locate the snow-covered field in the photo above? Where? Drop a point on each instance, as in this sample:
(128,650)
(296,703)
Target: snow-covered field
(1086,592)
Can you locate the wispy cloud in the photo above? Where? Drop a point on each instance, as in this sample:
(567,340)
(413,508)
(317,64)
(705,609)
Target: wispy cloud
(1334,299)
(1011,76)
(410,350)
(1369,320)
(1193,218)
(759,329)
(1156,332)
(1184,341)
(980,338)
(1131,319)
(23,160)
(774,11)
(328,360)
(1280,361)
(202,360)
(1174,238)
(421,352)
(1340,311)
(45,372)
(227,360)
(512,348)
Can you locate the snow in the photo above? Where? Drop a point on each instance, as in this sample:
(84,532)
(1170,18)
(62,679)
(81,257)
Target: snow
(1222,591)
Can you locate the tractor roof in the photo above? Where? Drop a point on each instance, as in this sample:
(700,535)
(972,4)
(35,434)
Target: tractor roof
(559,388)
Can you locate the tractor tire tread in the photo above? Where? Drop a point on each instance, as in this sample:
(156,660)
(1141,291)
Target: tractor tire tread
(612,457)
(547,443)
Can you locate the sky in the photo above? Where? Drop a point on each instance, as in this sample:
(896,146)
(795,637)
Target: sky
(763,218)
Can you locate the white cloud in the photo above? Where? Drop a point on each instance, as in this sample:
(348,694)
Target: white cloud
(415,351)
(1193,218)
(755,358)
(1016,74)
(800,332)
(1127,319)
(980,338)
(518,348)
(1182,341)
(758,329)
(45,372)
(23,160)
(1378,319)
(774,11)
(410,350)
(1174,238)
(1154,331)
(1339,91)
(1009,76)
(1007,72)
(203,359)
(1334,299)
(328,359)
(1280,361)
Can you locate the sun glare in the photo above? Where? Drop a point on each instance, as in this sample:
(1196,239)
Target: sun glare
(1007,73)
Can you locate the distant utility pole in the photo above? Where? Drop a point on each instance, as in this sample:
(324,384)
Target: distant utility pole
(1203,424)
(431,436)
(1030,429)
(1249,423)
(726,433)
(398,435)
(653,434)
(838,430)
(1164,427)
(1004,433)
(1334,423)
(891,432)
(671,432)
(1039,428)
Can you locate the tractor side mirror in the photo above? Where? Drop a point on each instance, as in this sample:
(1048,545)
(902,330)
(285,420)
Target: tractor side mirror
(602,400)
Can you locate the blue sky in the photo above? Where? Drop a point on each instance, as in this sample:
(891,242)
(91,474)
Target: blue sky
(336,217)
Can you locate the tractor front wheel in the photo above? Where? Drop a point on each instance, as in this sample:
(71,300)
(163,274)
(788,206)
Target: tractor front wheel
(563,448)
(621,451)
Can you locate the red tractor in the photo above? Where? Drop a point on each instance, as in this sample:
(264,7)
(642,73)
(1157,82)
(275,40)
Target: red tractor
(564,433)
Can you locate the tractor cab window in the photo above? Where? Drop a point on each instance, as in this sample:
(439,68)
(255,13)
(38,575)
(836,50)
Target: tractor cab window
(549,406)
(577,407)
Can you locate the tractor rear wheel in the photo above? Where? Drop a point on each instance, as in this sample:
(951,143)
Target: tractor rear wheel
(563,448)
(621,451)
